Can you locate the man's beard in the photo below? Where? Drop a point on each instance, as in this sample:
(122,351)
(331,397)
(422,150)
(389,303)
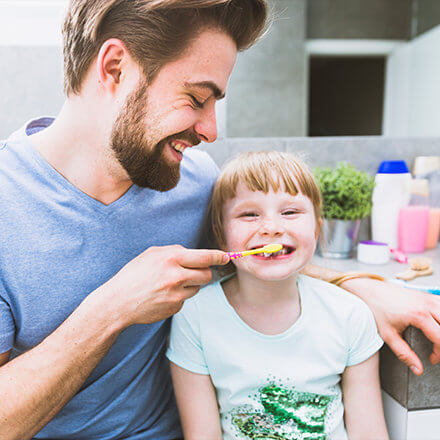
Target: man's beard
(143,161)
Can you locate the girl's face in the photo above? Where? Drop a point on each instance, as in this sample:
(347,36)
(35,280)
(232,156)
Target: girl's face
(253,219)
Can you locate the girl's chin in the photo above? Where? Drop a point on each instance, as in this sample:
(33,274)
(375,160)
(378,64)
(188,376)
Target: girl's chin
(272,275)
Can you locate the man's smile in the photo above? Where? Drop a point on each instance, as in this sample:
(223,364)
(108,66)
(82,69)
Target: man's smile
(179,146)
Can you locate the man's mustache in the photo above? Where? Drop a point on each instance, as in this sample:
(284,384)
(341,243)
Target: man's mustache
(186,136)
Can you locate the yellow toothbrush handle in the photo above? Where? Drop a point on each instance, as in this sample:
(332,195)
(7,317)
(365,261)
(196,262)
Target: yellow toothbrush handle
(251,252)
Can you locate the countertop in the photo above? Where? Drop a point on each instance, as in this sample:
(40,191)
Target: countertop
(410,391)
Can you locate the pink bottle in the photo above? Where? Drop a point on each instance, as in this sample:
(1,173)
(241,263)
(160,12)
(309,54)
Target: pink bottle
(414,218)
(413,228)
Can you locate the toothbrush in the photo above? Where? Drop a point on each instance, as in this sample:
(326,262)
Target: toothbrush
(429,289)
(269,248)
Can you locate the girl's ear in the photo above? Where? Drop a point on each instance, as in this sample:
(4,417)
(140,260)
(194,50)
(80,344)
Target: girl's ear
(318,228)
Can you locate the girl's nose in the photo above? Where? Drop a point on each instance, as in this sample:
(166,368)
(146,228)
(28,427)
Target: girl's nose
(271,227)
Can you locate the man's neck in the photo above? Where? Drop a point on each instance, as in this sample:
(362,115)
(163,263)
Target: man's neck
(77,146)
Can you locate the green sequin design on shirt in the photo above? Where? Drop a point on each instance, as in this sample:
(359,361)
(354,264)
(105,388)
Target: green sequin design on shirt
(287,415)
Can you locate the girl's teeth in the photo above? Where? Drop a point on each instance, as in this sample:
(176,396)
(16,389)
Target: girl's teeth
(275,254)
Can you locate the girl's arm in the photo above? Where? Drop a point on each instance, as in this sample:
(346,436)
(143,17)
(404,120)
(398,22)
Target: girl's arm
(197,403)
(364,418)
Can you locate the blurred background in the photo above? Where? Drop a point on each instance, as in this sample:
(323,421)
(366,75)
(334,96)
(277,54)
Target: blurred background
(326,68)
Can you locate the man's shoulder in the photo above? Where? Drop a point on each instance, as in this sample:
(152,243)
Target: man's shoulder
(14,147)
(11,155)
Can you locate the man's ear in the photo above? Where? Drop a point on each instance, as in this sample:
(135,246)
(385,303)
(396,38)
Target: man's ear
(111,62)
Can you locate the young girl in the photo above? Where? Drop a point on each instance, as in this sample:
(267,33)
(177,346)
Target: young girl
(268,353)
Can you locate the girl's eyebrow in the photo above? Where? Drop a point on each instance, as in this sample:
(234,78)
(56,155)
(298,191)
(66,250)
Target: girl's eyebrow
(218,94)
(240,206)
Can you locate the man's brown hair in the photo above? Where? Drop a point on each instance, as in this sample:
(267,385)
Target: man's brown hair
(154,31)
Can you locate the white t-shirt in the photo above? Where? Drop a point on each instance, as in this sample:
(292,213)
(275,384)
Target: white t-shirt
(284,386)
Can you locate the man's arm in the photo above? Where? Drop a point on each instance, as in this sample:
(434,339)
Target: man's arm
(152,287)
(395,308)
(37,384)
(363,412)
(197,403)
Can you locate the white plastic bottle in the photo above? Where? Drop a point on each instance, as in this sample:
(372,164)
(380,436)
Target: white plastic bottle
(390,194)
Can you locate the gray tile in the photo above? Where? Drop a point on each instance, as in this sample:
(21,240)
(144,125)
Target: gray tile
(267,90)
(365,153)
(31,85)
(373,19)
(394,376)
(411,391)
(423,391)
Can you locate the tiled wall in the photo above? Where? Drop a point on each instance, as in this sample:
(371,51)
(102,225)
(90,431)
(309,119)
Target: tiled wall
(267,94)
(31,84)
(376,19)
(366,153)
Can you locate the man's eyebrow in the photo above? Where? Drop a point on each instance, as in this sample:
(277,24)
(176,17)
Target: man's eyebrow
(218,94)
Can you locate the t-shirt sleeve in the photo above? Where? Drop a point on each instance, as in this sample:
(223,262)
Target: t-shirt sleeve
(185,348)
(364,339)
(7,327)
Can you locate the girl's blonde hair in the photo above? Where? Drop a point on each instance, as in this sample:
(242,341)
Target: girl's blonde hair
(261,171)
(155,32)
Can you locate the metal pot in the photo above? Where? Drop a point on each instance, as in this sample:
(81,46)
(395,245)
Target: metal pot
(338,238)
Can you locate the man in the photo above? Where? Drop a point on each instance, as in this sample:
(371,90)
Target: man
(93,205)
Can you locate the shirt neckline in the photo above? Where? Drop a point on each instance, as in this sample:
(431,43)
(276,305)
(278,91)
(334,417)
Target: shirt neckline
(47,169)
(293,328)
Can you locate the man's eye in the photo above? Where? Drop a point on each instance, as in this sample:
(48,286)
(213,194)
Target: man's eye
(196,102)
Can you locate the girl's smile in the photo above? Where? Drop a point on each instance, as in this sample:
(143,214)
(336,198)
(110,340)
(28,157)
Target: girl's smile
(284,253)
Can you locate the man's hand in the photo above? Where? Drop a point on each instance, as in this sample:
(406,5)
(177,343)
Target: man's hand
(154,285)
(395,308)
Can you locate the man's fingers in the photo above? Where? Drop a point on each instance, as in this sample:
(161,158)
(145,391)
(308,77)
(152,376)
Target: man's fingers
(202,258)
(431,329)
(196,277)
(435,313)
(435,355)
(404,352)
(429,323)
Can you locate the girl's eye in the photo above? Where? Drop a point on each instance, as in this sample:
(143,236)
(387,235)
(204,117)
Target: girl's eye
(248,214)
(290,212)
(196,102)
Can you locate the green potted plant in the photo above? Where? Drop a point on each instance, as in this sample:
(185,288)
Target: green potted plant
(346,200)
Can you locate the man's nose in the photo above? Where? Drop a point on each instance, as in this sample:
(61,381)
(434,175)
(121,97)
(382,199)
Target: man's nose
(206,126)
